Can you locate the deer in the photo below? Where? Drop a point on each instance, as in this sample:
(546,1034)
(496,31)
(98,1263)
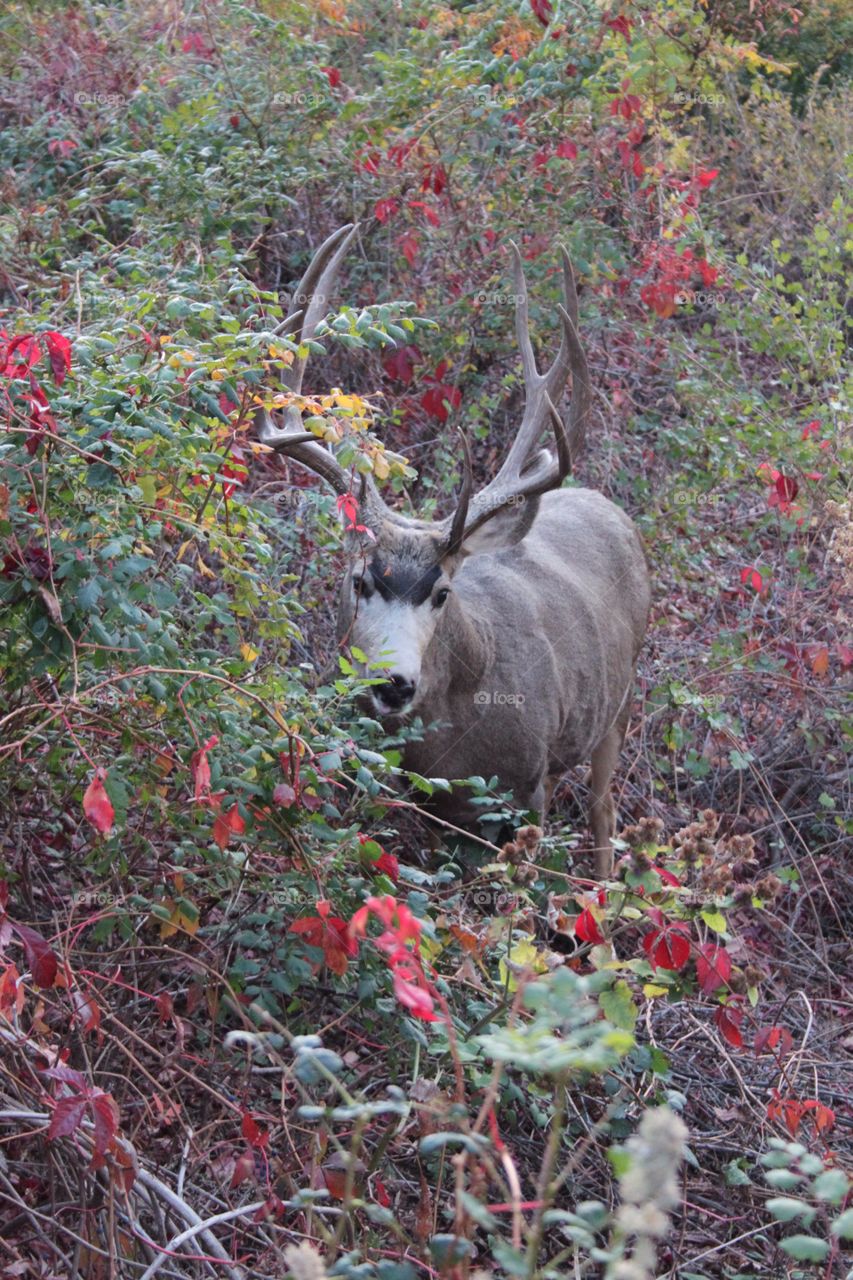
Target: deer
(512,626)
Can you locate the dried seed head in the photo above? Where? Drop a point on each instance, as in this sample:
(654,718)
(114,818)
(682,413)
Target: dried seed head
(768,886)
(530,837)
(743,895)
(511,852)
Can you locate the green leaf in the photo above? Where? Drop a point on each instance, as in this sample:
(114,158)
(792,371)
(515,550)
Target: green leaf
(735,1175)
(618,1006)
(805,1248)
(843,1225)
(831,1185)
(715,920)
(786,1208)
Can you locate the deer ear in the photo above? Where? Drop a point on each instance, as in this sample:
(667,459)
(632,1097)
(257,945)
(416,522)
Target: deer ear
(504,529)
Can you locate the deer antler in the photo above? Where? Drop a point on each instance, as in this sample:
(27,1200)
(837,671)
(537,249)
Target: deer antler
(309,304)
(523,475)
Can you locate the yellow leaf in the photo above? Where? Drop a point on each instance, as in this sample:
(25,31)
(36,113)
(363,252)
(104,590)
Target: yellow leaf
(749,53)
(180,920)
(651,990)
(247,653)
(281,354)
(202,567)
(523,955)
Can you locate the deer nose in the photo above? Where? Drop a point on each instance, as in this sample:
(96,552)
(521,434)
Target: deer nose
(397,691)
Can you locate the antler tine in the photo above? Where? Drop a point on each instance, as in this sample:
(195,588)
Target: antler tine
(312,295)
(525,474)
(537,385)
(311,298)
(460,515)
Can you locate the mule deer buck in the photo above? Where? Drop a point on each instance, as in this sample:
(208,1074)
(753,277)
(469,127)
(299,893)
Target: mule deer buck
(514,624)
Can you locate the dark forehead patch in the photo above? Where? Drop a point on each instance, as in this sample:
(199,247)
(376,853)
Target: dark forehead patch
(403,579)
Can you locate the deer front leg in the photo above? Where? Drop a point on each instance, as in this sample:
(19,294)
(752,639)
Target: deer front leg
(602,809)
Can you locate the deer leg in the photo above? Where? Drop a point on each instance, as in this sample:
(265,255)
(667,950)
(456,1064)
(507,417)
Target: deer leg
(550,786)
(602,809)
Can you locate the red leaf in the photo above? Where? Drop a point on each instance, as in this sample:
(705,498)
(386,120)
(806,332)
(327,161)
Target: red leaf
(409,245)
(165,1007)
(11,992)
(330,935)
(244,1167)
(430,214)
(436,400)
(385,209)
(400,364)
(41,961)
(228,824)
(668,947)
(333,76)
(105,1115)
(59,353)
(713,967)
(335,1180)
(775,1040)
(284,795)
(67,1115)
(666,875)
(586,927)
(543,10)
(387,863)
(411,996)
(753,577)
(61,146)
(622,26)
(252,1131)
(27,350)
(788,1110)
(706,176)
(824,1117)
(96,804)
(567,150)
(87,1009)
(200,769)
(382,1196)
(728,1020)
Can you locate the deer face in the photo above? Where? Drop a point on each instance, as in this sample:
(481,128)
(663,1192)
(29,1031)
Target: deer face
(392,602)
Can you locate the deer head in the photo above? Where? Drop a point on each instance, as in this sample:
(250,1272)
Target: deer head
(397,595)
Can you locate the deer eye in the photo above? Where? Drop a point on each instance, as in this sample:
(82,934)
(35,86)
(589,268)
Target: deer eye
(440,597)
